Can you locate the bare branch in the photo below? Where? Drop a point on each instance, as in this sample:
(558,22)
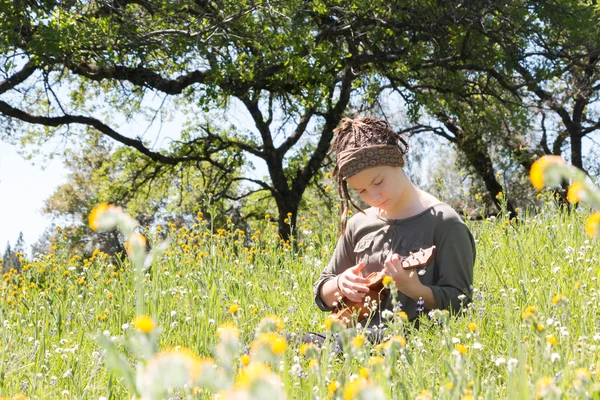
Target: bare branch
(300,129)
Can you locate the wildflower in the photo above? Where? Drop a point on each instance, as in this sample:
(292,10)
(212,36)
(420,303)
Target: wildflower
(358,341)
(574,193)
(559,299)
(468,395)
(583,374)
(473,326)
(353,388)
(227,332)
(536,174)
(387,280)
(424,395)
(254,372)
(273,341)
(375,360)
(449,385)
(333,325)
(499,195)
(136,241)
(529,312)
(420,305)
(270,323)
(309,350)
(403,315)
(144,324)
(96,214)
(546,387)
(500,361)
(245,359)
(592,223)
(461,349)
(234,308)
(396,342)
(551,339)
(331,388)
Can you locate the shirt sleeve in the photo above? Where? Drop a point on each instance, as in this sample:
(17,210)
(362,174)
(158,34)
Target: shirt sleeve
(342,259)
(455,259)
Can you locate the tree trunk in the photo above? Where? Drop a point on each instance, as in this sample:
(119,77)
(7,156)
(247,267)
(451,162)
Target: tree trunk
(288,213)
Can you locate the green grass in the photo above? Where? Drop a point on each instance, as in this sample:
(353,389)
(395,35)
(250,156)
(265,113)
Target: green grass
(53,311)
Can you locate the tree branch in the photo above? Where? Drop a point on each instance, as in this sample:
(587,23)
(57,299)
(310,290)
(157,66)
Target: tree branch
(67,119)
(19,77)
(300,129)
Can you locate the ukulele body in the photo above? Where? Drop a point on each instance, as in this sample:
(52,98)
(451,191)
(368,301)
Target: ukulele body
(349,312)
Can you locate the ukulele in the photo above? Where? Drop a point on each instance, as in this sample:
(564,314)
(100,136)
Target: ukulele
(349,312)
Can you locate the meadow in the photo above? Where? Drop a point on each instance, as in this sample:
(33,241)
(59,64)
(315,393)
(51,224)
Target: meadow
(532,329)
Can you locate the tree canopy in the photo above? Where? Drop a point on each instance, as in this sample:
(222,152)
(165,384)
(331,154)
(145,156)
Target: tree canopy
(480,71)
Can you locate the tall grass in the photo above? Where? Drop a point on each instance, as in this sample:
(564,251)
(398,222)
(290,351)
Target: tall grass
(533,328)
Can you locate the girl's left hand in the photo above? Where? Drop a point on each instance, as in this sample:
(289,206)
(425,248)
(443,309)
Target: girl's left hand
(405,280)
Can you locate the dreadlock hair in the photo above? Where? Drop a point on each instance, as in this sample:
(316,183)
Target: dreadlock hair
(354,134)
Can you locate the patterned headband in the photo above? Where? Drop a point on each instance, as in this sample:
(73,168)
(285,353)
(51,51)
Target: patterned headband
(353,161)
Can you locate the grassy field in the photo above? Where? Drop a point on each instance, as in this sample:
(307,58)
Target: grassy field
(532,330)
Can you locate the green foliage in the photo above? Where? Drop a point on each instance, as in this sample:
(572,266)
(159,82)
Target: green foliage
(151,192)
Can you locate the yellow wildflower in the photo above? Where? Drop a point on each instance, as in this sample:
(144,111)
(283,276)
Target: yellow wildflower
(252,373)
(473,326)
(449,385)
(425,395)
(144,324)
(396,340)
(536,174)
(228,331)
(331,388)
(353,388)
(358,341)
(96,213)
(559,299)
(364,372)
(245,359)
(461,348)
(375,360)
(275,342)
(529,312)
(592,223)
(574,192)
(551,339)
(387,280)
(234,308)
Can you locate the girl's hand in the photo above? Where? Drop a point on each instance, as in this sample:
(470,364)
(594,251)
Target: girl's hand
(406,281)
(351,284)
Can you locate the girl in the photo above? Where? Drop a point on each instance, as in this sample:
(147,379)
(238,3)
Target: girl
(401,218)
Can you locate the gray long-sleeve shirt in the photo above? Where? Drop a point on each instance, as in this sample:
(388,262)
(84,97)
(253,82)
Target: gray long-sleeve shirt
(369,238)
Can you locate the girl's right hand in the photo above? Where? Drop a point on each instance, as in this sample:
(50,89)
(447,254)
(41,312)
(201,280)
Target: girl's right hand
(351,284)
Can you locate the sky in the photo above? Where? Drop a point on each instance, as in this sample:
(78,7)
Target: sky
(23,188)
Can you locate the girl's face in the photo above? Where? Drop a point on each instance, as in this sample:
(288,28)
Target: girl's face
(379,187)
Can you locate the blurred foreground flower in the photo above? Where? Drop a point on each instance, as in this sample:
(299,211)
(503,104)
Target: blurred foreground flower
(550,171)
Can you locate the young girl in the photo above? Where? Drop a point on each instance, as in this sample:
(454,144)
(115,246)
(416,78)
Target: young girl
(401,218)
